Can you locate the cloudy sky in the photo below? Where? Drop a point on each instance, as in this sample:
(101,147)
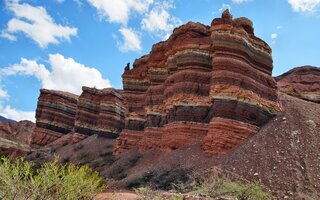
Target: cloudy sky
(64,44)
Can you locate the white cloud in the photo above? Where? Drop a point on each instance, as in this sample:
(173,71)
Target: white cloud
(3,94)
(8,36)
(130,40)
(36,24)
(306,6)
(274,36)
(118,11)
(159,20)
(66,74)
(240,1)
(279,27)
(224,7)
(17,115)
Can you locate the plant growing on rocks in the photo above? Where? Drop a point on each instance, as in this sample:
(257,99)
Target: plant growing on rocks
(19,179)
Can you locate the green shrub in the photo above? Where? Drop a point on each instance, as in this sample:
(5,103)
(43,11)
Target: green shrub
(19,179)
(249,191)
(168,179)
(217,187)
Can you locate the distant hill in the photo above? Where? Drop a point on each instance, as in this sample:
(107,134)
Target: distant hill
(5,119)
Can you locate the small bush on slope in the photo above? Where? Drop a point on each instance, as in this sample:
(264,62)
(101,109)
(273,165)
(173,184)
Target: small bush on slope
(19,179)
(217,187)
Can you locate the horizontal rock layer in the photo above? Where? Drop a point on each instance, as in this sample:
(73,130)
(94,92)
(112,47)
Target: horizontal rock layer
(205,83)
(99,112)
(55,116)
(93,112)
(302,82)
(210,83)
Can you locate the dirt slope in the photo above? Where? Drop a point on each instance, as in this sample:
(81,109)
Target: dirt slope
(285,154)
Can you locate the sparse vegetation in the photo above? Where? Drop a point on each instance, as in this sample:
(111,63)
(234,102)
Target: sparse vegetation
(212,186)
(140,180)
(119,173)
(120,170)
(167,179)
(65,160)
(19,179)
(216,187)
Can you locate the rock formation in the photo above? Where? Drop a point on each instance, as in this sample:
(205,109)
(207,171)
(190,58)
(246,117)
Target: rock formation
(210,84)
(99,112)
(15,137)
(55,116)
(93,112)
(17,131)
(302,82)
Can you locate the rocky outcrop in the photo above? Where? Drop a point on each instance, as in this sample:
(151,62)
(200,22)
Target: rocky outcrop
(99,112)
(93,112)
(166,92)
(210,84)
(302,82)
(242,92)
(17,131)
(15,137)
(55,116)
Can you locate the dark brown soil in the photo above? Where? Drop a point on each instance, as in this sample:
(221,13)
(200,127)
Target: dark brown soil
(285,154)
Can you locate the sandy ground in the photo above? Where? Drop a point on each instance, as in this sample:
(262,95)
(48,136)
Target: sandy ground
(117,196)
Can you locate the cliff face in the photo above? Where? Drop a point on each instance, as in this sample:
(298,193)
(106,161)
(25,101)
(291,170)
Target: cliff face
(99,112)
(210,84)
(93,112)
(55,116)
(302,82)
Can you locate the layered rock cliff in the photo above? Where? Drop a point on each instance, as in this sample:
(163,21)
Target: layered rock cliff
(99,112)
(302,82)
(211,84)
(205,83)
(55,116)
(93,112)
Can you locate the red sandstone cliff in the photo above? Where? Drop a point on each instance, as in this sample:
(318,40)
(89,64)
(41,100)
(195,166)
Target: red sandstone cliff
(210,84)
(205,83)
(61,113)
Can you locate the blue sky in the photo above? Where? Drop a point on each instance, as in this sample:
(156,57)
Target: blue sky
(64,44)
